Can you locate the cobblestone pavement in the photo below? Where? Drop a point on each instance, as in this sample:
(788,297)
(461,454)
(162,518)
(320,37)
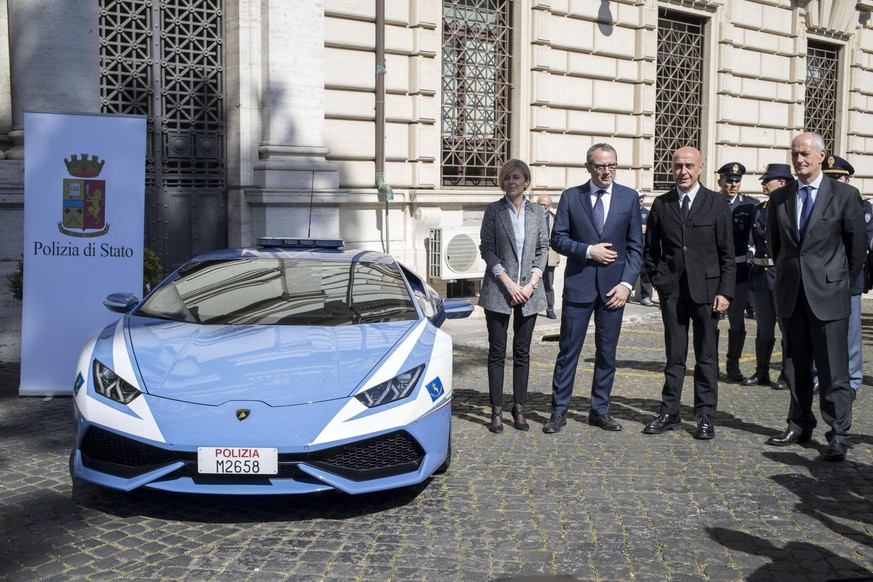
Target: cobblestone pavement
(584,503)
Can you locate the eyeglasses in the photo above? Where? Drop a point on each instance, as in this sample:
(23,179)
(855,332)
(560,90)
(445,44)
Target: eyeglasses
(604,167)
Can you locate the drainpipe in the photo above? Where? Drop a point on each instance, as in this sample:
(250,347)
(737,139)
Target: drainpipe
(381,185)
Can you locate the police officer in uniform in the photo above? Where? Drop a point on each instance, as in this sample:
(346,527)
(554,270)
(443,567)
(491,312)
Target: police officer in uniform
(839,169)
(742,209)
(762,273)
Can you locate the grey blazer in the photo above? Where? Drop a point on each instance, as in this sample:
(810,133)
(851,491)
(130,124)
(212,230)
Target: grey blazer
(497,245)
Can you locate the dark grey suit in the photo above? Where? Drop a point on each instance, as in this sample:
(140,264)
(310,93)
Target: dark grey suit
(689,262)
(812,292)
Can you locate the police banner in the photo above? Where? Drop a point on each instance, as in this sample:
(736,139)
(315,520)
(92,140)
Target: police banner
(84,204)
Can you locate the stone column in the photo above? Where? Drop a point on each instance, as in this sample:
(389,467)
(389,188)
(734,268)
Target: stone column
(5,84)
(292,165)
(54,60)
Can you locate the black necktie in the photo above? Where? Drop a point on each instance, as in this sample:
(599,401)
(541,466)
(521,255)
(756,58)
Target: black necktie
(599,216)
(686,207)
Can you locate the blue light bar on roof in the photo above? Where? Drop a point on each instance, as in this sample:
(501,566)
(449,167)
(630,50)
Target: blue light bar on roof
(300,242)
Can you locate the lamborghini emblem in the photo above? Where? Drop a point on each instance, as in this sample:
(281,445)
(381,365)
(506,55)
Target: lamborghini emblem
(242,414)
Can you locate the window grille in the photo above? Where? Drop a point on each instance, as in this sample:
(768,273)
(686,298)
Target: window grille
(679,91)
(476,83)
(165,60)
(820,108)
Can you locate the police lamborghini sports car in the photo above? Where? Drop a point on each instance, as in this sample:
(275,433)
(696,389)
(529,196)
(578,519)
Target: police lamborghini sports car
(292,367)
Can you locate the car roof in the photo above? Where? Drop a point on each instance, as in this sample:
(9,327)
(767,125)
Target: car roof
(298,253)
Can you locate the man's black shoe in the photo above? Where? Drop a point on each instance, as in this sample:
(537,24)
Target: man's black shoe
(836,451)
(779,384)
(554,424)
(662,423)
(757,380)
(789,437)
(705,430)
(603,421)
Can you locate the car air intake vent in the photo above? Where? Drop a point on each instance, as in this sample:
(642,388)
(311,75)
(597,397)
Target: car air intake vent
(391,454)
(106,451)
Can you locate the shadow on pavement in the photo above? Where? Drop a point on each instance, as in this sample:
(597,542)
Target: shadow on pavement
(795,560)
(835,494)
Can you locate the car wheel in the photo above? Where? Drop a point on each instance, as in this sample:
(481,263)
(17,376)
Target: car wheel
(447,463)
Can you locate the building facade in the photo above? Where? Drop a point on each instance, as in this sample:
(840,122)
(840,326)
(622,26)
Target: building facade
(379,122)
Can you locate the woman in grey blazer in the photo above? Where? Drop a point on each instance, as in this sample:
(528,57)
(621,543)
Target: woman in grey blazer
(515,248)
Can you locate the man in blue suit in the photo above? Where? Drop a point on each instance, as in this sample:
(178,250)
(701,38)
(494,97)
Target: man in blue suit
(598,229)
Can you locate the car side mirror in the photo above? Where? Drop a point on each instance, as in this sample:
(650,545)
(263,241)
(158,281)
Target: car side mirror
(121,302)
(457,308)
(452,309)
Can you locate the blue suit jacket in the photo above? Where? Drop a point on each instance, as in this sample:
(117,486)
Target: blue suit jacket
(574,232)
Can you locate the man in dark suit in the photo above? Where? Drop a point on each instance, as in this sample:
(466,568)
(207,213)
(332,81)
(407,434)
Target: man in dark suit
(817,239)
(689,256)
(598,229)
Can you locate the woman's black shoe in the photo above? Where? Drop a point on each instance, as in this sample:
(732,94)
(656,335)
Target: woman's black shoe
(518,419)
(496,425)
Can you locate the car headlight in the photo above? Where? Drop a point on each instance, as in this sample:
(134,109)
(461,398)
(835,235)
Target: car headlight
(107,383)
(398,387)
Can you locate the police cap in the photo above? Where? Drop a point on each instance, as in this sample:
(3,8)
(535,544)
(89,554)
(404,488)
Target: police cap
(836,166)
(732,170)
(775,171)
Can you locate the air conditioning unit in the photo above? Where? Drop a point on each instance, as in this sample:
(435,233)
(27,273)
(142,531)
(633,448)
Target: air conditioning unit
(454,253)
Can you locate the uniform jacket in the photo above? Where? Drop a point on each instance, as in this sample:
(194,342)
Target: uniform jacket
(497,245)
(742,211)
(858,287)
(829,257)
(702,246)
(761,271)
(574,232)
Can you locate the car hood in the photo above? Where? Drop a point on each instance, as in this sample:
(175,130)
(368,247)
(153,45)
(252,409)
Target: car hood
(279,365)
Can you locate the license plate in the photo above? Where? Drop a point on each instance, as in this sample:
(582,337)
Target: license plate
(237,461)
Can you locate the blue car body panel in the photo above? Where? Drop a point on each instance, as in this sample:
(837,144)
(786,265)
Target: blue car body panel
(282,365)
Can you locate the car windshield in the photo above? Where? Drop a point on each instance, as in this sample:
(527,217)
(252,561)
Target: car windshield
(277,291)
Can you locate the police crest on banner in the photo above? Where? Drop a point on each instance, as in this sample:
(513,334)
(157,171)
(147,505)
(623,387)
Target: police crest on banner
(84,208)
